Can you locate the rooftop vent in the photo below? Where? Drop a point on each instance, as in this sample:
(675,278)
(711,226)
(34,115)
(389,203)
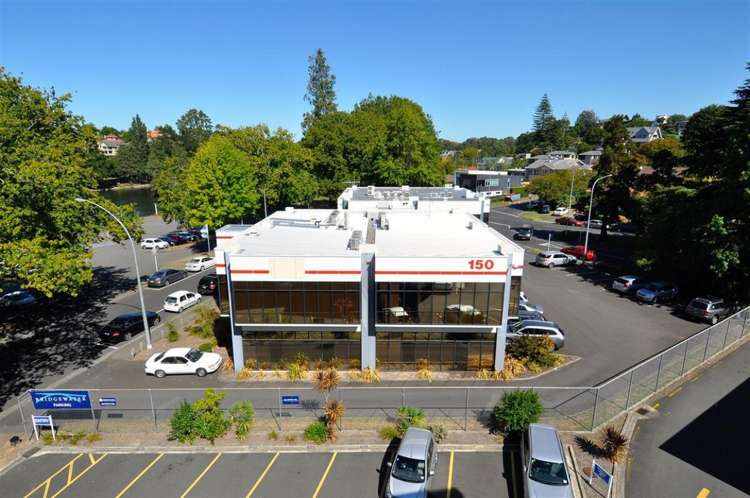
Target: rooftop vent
(289,209)
(470,225)
(355,240)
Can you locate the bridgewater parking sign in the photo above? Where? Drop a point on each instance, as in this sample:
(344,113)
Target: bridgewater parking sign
(60,399)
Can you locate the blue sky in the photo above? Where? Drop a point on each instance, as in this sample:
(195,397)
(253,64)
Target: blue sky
(476,68)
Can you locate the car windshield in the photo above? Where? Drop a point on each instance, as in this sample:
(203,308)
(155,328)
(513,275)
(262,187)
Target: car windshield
(194,355)
(171,300)
(408,469)
(159,357)
(158,274)
(196,260)
(548,473)
(652,287)
(699,305)
(623,281)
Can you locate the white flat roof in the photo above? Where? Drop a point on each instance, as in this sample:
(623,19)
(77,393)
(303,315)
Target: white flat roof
(328,233)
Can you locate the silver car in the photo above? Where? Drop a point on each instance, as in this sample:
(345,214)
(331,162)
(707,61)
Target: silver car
(545,474)
(550,259)
(537,328)
(413,466)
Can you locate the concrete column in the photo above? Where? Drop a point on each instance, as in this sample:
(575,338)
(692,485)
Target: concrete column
(238,353)
(501,332)
(367,310)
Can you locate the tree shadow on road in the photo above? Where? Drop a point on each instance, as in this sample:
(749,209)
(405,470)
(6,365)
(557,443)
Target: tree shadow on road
(57,335)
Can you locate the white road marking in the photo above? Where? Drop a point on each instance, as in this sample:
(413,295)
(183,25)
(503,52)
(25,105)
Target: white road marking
(175,283)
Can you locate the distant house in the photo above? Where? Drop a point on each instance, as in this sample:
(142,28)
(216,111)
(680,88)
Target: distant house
(487,182)
(110,144)
(446,154)
(590,157)
(543,167)
(644,134)
(681,128)
(494,162)
(154,134)
(562,154)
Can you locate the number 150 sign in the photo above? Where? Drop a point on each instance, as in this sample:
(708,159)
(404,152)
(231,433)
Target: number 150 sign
(481,264)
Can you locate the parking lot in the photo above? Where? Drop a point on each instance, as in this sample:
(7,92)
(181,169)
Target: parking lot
(267,475)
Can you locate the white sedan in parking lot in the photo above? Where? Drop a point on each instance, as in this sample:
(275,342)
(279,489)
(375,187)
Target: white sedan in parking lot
(180,300)
(182,361)
(199,263)
(151,243)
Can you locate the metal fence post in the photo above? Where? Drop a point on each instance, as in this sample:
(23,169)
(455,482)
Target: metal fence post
(684,358)
(93,415)
(596,402)
(726,334)
(744,322)
(466,411)
(341,400)
(153,410)
(278,399)
(630,385)
(23,419)
(708,341)
(403,397)
(658,372)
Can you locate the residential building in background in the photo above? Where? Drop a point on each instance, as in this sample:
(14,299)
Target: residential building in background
(561,154)
(495,163)
(487,182)
(154,134)
(541,167)
(110,144)
(369,286)
(644,134)
(591,157)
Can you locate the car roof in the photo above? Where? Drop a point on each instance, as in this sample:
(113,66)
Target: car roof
(708,299)
(538,323)
(548,253)
(179,293)
(177,351)
(414,443)
(629,277)
(546,444)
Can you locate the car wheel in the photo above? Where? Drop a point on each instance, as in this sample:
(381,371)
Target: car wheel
(160,374)
(128,336)
(714,320)
(157,320)
(550,265)
(179,310)
(201,372)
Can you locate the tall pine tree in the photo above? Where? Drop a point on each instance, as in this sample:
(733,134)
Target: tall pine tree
(132,157)
(320,92)
(544,121)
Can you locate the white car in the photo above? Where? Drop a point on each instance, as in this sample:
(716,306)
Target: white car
(151,243)
(182,361)
(180,300)
(199,263)
(560,211)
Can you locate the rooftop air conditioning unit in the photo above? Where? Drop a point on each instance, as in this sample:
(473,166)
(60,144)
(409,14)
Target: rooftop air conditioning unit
(289,209)
(470,226)
(404,188)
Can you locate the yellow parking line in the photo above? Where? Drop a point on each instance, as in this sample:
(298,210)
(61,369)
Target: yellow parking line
(262,476)
(140,474)
(656,405)
(46,488)
(78,476)
(91,457)
(325,474)
(47,481)
(704,493)
(450,477)
(200,476)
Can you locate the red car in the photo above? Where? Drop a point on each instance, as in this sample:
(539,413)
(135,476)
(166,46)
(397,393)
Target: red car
(577,251)
(567,220)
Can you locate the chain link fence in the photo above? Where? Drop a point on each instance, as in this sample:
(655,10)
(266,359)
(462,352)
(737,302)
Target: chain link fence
(372,407)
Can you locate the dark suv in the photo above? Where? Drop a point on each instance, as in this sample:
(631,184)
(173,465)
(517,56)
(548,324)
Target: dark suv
(524,232)
(708,309)
(163,278)
(124,327)
(208,285)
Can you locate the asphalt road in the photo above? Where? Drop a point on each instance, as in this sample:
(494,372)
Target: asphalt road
(267,475)
(698,443)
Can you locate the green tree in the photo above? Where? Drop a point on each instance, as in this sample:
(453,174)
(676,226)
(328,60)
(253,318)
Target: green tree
(705,141)
(636,120)
(663,155)
(554,188)
(320,93)
(470,155)
(194,128)
(589,130)
(132,157)
(544,121)
(45,157)
(218,184)
(329,140)
(518,409)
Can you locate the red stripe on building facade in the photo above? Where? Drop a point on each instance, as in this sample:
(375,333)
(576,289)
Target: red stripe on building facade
(439,272)
(225,236)
(333,272)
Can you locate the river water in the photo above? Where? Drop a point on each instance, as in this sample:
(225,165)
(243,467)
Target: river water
(143,198)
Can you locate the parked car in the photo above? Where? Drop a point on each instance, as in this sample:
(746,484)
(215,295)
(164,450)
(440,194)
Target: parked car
(162,278)
(125,326)
(413,466)
(17,299)
(538,328)
(524,232)
(208,284)
(188,235)
(627,284)
(153,242)
(181,300)
(624,228)
(560,211)
(182,361)
(544,208)
(200,263)
(597,224)
(549,259)
(578,252)
(527,306)
(526,315)
(173,239)
(657,292)
(567,220)
(545,473)
(708,309)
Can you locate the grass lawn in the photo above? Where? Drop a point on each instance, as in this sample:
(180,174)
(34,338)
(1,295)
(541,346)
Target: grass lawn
(534,216)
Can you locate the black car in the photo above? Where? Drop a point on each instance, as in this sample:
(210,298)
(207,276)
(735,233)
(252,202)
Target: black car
(124,327)
(171,239)
(208,285)
(524,233)
(162,278)
(187,235)
(545,209)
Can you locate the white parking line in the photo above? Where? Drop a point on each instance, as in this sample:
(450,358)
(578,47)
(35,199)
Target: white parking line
(175,283)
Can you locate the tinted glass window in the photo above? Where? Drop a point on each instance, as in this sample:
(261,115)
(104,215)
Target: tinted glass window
(548,473)
(699,304)
(409,469)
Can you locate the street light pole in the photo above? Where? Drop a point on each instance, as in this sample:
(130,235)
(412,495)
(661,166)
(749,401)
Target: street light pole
(570,197)
(137,270)
(588,221)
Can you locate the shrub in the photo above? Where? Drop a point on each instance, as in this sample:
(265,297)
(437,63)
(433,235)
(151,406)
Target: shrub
(74,438)
(206,347)
(47,438)
(355,364)
(295,372)
(172,334)
(326,381)
(244,374)
(94,437)
(203,327)
(530,349)
(335,363)
(316,432)
(210,422)
(422,363)
(512,368)
(290,438)
(408,416)
(439,433)
(389,432)
(302,360)
(333,413)
(484,374)
(241,414)
(228,365)
(614,444)
(370,376)
(183,424)
(273,435)
(517,409)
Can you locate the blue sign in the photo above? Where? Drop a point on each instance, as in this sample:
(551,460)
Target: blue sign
(601,473)
(42,420)
(290,400)
(204,231)
(60,399)
(107,401)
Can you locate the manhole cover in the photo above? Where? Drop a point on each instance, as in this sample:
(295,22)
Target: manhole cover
(641,411)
